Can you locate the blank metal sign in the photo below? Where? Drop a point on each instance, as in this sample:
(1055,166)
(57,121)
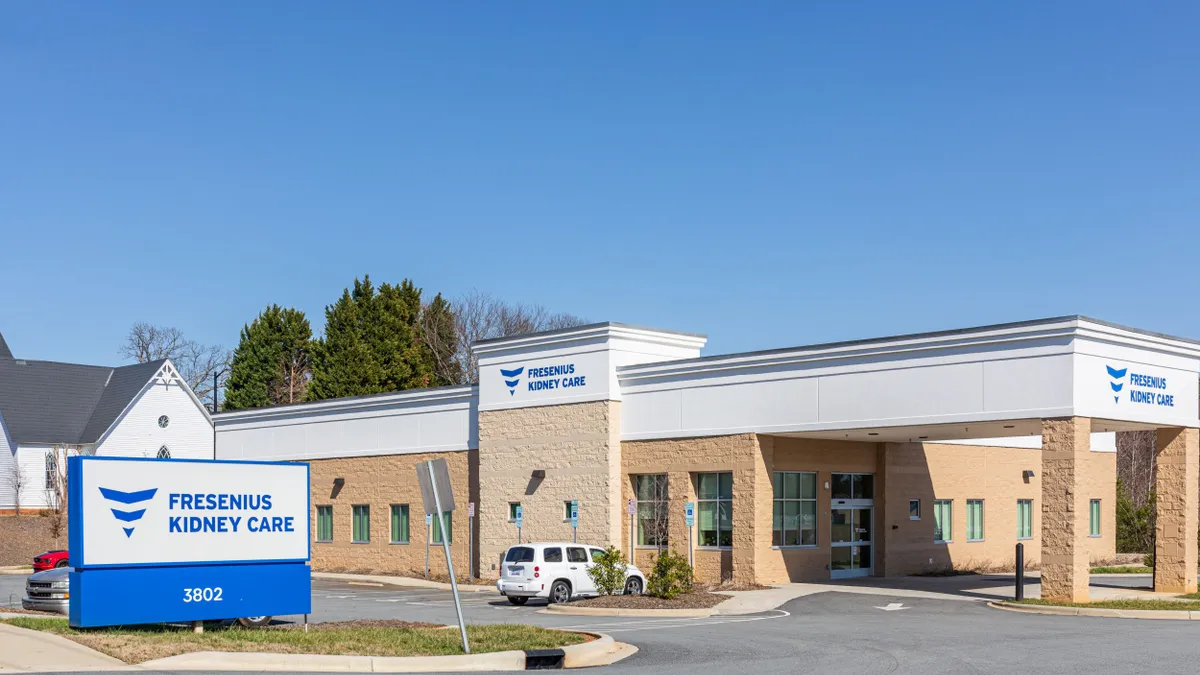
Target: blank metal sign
(441,475)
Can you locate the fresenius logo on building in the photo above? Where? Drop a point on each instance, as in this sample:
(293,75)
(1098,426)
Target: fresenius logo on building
(1140,388)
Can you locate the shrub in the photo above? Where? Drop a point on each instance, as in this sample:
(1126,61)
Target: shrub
(608,572)
(1148,561)
(671,576)
(1135,526)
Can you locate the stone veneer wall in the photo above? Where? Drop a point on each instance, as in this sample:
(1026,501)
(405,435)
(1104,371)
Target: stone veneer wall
(929,471)
(1066,444)
(578,446)
(380,482)
(1177,469)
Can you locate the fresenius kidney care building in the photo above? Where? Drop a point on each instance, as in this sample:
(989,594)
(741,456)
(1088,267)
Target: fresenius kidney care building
(886,456)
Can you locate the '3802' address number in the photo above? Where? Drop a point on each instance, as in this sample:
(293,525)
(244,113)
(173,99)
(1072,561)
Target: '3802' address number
(202,594)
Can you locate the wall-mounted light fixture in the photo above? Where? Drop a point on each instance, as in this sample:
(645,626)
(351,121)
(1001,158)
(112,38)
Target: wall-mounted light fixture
(1027,474)
(339,481)
(540,474)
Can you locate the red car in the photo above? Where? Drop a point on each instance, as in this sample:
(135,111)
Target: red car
(48,561)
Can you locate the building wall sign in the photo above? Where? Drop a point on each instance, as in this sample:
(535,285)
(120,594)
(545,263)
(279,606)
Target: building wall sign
(199,539)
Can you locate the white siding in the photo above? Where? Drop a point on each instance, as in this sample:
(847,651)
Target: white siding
(32,462)
(189,435)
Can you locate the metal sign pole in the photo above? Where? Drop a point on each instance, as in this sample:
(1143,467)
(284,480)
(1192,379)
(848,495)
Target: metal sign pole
(689,517)
(462,626)
(470,540)
(632,529)
(574,521)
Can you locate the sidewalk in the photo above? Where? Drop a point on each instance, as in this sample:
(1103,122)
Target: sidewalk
(32,651)
(967,587)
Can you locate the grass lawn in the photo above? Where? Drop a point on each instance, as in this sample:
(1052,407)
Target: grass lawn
(1183,605)
(1126,569)
(136,644)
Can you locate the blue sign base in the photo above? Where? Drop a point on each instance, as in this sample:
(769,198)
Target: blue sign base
(127,596)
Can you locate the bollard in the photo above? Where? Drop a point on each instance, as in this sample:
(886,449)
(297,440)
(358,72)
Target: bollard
(1020,590)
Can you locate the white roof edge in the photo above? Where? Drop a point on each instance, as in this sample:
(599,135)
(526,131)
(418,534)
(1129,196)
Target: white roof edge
(463,393)
(1068,327)
(592,332)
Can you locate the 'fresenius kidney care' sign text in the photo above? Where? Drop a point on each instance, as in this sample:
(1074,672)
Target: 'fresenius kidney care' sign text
(165,512)
(226,504)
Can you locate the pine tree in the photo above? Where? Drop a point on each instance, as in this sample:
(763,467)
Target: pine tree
(342,361)
(270,364)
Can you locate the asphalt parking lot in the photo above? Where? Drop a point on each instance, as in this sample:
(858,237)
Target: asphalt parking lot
(844,632)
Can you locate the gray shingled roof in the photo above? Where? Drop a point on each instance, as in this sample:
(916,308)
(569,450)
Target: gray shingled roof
(5,352)
(50,402)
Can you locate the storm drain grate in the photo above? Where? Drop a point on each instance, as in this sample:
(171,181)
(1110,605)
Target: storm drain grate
(544,659)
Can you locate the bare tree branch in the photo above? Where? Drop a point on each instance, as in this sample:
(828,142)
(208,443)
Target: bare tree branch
(196,363)
(16,481)
(482,316)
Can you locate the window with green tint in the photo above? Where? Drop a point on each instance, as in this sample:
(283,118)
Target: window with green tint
(974,520)
(361,522)
(795,517)
(943,519)
(399,523)
(512,511)
(437,528)
(1094,520)
(1024,519)
(652,515)
(714,505)
(324,523)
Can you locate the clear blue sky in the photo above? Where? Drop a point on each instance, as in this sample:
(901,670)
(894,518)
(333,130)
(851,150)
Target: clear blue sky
(771,174)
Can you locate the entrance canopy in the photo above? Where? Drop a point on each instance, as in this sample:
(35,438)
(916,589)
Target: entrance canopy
(991,381)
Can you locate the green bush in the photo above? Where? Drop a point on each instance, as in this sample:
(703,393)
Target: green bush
(1148,561)
(608,572)
(671,576)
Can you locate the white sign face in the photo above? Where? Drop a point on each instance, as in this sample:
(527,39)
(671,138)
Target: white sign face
(1126,390)
(543,380)
(175,512)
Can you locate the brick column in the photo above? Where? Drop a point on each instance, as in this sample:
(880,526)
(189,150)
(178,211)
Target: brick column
(753,501)
(1177,471)
(1066,443)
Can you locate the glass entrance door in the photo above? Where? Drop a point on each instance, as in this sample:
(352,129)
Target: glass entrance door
(851,526)
(850,544)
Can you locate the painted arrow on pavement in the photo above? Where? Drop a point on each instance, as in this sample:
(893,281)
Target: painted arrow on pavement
(893,606)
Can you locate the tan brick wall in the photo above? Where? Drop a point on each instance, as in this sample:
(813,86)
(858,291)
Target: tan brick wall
(752,460)
(1177,465)
(380,482)
(932,471)
(578,446)
(1066,444)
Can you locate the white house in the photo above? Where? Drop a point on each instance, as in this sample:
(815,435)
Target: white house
(50,409)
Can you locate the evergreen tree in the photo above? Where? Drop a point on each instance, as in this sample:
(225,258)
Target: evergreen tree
(270,365)
(342,362)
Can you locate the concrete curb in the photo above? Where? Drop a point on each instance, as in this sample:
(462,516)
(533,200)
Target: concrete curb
(621,611)
(599,652)
(400,581)
(25,572)
(1152,614)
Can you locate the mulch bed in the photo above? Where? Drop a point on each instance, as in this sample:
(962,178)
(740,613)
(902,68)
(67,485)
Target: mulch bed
(698,600)
(22,610)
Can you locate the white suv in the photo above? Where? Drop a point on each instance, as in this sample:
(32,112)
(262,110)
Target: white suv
(557,572)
